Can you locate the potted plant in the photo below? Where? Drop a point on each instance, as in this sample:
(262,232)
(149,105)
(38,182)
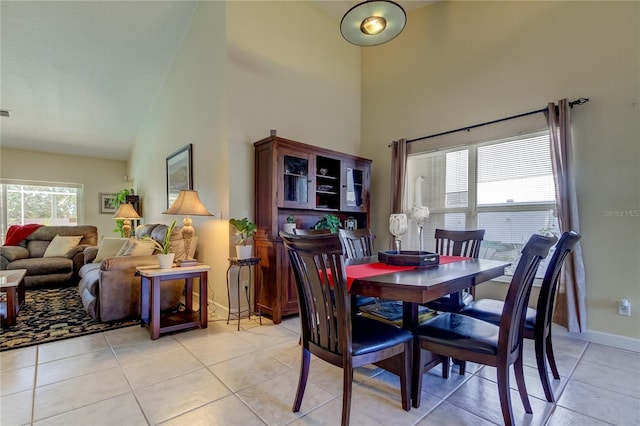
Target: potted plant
(328,221)
(290,225)
(165,257)
(245,229)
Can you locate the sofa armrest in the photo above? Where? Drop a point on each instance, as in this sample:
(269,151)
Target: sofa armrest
(90,254)
(11,253)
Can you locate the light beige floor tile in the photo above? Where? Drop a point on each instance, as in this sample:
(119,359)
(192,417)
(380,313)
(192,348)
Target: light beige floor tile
(18,358)
(288,353)
(272,400)
(608,377)
(74,366)
(212,352)
(17,380)
(248,370)
(480,396)
(158,367)
(600,403)
(433,383)
(612,357)
(532,381)
(329,377)
(71,347)
(566,354)
(139,351)
(449,415)
(563,417)
(330,414)
(214,331)
(15,409)
(268,336)
(120,410)
(227,411)
(291,323)
(174,397)
(60,397)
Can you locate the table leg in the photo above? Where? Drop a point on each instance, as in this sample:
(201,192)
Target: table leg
(11,305)
(155,308)
(144,300)
(228,296)
(204,312)
(188,294)
(238,299)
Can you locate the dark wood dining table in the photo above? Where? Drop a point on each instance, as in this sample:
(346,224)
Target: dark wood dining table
(415,286)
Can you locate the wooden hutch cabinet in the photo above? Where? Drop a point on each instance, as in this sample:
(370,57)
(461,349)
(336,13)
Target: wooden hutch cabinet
(306,182)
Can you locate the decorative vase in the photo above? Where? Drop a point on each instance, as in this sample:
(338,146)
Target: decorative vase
(289,228)
(166,260)
(244,252)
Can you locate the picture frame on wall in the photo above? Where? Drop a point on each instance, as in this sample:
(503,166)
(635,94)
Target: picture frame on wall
(179,173)
(108,203)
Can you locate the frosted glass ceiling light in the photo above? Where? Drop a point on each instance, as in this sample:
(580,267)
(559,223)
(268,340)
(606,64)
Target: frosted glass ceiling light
(373,22)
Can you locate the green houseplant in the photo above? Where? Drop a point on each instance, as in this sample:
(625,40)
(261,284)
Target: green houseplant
(165,257)
(328,221)
(245,229)
(290,225)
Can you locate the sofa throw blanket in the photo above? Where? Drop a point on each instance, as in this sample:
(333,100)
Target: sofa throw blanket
(17,233)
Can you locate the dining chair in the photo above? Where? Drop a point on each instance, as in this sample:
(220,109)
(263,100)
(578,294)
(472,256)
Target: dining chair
(537,324)
(357,243)
(453,335)
(456,243)
(329,331)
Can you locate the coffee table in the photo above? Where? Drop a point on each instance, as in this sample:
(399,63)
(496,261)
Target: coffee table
(12,283)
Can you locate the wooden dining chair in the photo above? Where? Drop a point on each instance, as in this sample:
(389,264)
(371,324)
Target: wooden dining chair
(456,243)
(537,325)
(329,331)
(357,243)
(453,335)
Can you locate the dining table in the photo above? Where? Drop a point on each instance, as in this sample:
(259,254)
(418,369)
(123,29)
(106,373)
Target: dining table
(417,285)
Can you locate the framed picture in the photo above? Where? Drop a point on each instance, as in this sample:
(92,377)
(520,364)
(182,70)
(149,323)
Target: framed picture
(179,173)
(108,203)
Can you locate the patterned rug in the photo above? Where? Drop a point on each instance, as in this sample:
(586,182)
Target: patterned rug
(53,314)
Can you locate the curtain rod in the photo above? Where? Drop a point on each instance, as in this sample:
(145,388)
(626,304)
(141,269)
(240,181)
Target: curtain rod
(578,101)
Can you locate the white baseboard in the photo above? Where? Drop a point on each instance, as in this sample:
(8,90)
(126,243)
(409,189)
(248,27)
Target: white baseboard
(607,339)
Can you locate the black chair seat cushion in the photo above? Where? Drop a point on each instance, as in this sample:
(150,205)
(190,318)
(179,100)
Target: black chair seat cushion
(371,335)
(462,332)
(490,310)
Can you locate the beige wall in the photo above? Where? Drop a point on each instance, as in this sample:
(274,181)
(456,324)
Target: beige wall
(462,63)
(96,175)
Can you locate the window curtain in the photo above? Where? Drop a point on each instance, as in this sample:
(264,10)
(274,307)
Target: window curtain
(398,177)
(570,309)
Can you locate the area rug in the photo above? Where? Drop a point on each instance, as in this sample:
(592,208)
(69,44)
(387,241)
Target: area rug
(53,314)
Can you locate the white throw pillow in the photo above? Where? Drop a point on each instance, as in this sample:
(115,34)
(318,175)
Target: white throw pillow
(136,247)
(109,247)
(60,246)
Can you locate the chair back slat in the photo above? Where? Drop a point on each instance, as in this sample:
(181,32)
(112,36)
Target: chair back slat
(459,243)
(325,308)
(516,301)
(546,298)
(357,243)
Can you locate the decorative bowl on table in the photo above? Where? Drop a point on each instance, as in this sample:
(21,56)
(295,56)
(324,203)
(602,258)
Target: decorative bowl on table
(409,258)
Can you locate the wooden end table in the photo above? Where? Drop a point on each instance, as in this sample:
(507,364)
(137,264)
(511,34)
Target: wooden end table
(150,299)
(12,283)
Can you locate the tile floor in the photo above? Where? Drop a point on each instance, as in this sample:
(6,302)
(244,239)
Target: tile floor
(219,376)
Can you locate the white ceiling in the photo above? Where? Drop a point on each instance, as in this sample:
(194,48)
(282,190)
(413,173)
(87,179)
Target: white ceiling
(79,77)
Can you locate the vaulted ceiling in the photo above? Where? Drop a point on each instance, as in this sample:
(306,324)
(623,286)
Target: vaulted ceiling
(79,77)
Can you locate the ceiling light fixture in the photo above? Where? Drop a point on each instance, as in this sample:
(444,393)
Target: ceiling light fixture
(373,22)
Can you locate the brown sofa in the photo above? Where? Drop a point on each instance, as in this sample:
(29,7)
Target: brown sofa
(49,271)
(110,290)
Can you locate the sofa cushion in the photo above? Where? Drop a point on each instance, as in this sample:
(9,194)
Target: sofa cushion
(44,266)
(12,253)
(109,246)
(136,247)
(60,245)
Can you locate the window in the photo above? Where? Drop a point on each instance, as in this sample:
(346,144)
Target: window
(47,203)
(505,187)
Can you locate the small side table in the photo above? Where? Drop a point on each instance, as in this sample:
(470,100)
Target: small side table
(240,263)
(12,283)
(150,298)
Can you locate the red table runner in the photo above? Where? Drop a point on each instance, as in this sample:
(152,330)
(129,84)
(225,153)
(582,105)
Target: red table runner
(378,268)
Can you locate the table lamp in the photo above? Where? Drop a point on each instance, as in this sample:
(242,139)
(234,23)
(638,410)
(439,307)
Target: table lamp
(126,212)
(188,203)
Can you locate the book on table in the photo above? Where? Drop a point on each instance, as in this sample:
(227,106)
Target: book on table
(391,311)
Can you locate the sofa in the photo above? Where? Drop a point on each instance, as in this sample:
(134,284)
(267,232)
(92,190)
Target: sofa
(110,288)
(44,270)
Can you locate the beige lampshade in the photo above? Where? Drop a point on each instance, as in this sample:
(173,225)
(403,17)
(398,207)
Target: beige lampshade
(126,211)
(188,203)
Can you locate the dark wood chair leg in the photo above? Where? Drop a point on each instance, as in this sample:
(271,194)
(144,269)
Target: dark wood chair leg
(462,365)
(522,386)
(347,384)
(551,358)
(416,379)
(302,381)
(541,362)
(504,394)
(405,376)
(445,366)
